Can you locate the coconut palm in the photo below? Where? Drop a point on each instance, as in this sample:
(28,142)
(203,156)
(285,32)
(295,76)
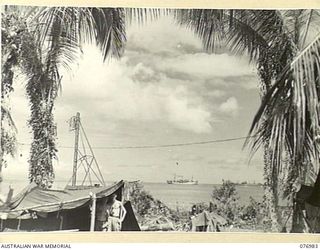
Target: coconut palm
(49,39)
(289,117)
(28,56)
(8,136)
(9,58)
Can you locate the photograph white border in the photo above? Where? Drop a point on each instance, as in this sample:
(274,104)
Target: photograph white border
(162,237)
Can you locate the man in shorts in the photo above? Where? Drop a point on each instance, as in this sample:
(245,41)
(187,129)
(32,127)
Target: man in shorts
(116,214)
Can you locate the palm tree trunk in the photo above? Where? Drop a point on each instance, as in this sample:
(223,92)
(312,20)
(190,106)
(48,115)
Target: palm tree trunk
(43,149)
(1,159)
(1,141)
(1,151)
(270,179)
(271,192)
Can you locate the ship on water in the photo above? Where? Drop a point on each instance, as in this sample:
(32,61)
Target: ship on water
(178,179)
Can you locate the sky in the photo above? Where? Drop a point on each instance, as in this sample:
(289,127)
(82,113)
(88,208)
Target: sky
(165,90)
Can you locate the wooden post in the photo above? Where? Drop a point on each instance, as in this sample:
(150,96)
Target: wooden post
(93,211)
(19,224)
(61,222)
(123,193)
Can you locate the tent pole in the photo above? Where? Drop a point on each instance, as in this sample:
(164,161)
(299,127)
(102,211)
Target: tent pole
(93,211)
(19,224)
(61,222)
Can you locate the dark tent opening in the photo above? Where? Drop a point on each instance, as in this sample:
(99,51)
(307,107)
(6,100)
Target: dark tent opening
(306,217)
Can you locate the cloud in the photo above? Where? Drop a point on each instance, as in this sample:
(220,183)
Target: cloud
(153,38)
(215,93)
(234,162)
(141,73)
(120,91)
(183,57)
(207,66)
(237,162)
(149,166)
(164,90)
(230,106)
(184,117)
(179,89)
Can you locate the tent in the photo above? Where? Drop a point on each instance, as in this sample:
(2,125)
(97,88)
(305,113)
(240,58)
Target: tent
(160,223)
(130,222)
(207,222)
(306,216)
(37,209)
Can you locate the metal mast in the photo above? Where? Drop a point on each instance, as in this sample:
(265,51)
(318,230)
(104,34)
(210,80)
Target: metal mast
(83,158)
(76,148)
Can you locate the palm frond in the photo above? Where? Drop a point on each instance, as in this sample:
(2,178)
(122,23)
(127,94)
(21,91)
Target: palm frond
(301,23)
(6,114)
(103,26)
(57,30)
(144,15)
(288,117)
(247,34)
(259,34)
(208,24)
(110,32)
(242,31)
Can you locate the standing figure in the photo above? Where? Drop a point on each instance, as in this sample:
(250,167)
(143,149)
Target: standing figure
(115,213)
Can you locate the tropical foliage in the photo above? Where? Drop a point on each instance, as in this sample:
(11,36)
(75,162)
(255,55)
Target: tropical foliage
(152,214)
(45,40)
(10,49)
(60,33)
(225,200)
(271,39)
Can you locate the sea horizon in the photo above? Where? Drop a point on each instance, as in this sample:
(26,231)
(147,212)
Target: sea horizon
(5,179)
(173,195)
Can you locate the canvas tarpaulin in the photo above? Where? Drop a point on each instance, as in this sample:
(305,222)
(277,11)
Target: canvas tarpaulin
(36,199)
(206,221)
(306,215)
(130,222)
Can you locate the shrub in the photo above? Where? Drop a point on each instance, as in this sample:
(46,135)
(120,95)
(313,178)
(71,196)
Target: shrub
(225,202)
(147,208)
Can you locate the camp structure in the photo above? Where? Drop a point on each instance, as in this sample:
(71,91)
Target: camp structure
(306,216)
(207,222)
(160,223)
(78,207)
(38,209)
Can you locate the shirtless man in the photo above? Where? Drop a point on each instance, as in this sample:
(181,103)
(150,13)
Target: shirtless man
(116,213)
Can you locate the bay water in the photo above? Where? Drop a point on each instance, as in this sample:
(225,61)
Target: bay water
(174,196)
